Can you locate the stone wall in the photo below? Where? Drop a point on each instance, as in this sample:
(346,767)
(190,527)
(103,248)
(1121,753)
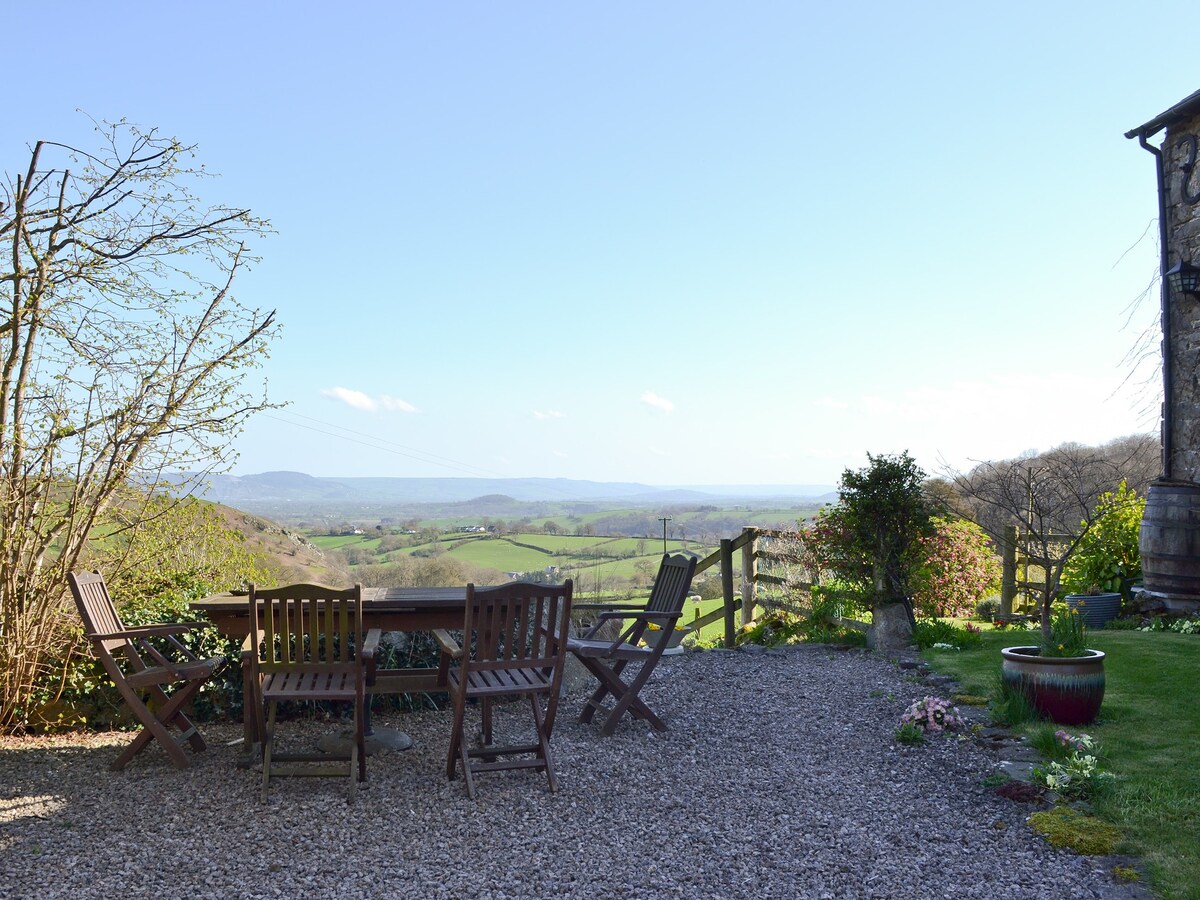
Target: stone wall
(1181,149)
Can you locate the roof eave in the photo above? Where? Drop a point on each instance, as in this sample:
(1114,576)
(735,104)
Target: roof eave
(1184,109)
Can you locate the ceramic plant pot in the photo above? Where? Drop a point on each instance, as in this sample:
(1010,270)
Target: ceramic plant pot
(674,641)
(1067,689)
(1096,609)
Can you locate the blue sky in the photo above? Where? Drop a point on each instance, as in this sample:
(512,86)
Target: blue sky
(662,242)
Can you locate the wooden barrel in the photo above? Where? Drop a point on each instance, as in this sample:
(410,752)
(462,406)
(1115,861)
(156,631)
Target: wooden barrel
(1169,540)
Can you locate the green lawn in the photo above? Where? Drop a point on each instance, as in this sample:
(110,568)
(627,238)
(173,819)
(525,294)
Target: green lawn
(1148,728)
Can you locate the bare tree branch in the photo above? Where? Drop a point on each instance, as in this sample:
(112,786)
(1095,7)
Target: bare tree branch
(117,363)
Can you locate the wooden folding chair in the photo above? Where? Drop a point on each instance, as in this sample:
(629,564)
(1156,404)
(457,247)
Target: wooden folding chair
(307,642)
(607,659)
(514,644)
(146,669)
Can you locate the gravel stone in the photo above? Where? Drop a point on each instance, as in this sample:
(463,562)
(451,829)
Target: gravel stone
(779,777)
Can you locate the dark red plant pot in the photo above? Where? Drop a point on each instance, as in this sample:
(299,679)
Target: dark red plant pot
(1068,690)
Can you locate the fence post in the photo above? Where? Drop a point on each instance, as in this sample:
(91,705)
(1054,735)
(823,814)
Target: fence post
(1008,583)
(727,589)
(749,574)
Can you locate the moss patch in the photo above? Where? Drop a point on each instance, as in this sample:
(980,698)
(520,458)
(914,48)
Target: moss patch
(970,700)
(1066,827)
(1126,874)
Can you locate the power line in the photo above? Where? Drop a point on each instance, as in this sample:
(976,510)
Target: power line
(379,443)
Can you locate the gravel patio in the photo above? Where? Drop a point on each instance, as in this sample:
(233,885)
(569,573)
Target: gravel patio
(779,777)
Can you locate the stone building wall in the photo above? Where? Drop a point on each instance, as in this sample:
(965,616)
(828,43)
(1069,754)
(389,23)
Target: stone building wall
(1182,152)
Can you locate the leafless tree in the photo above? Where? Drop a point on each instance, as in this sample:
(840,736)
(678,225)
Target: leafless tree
(1051,497)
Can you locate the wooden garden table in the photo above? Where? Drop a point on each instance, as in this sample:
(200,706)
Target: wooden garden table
(388,609)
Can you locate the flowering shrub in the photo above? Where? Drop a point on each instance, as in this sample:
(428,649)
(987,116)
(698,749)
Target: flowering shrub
(1083,743)
(956,569)
(933,714)
(1179,626)
(1078,774)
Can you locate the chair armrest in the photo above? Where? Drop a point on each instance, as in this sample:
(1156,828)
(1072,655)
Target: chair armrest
(448,644)
(369,648)
(619,614)
(663,616)
(137,631)
(608,616)
(250,660)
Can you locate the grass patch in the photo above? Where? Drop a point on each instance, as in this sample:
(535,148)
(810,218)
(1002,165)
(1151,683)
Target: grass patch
(1009,707)
(1147,727)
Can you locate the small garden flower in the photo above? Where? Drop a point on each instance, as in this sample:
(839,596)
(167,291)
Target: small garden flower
(1078,742)
(933,714)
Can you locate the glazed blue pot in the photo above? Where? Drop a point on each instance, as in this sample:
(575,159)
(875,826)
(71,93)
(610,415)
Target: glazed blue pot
(1096,609)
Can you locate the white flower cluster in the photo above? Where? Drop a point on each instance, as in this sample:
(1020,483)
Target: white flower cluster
(1079,775)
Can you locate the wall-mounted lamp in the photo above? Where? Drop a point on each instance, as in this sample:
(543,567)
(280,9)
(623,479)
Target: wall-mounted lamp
(1184,278)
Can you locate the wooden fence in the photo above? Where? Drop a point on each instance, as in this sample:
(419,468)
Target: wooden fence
(746,598)
(1021,566)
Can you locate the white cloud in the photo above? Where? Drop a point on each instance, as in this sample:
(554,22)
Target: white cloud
(652,399)
(359,400)
(395,404)
(548,414)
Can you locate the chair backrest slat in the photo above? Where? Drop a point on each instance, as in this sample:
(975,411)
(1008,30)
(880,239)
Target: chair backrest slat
(672,583)
(306,624)
(95,607)
(516,626)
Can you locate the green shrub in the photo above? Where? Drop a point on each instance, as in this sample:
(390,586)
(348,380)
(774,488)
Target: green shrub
(987,609)
(938,631)
(1107,557)
(910,733)
(773,628)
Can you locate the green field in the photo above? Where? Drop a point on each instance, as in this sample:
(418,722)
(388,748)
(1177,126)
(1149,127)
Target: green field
(340,541)
(500,554)
(601,566)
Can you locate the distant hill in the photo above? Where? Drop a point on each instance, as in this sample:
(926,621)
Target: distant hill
(273,488)
(291,555)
